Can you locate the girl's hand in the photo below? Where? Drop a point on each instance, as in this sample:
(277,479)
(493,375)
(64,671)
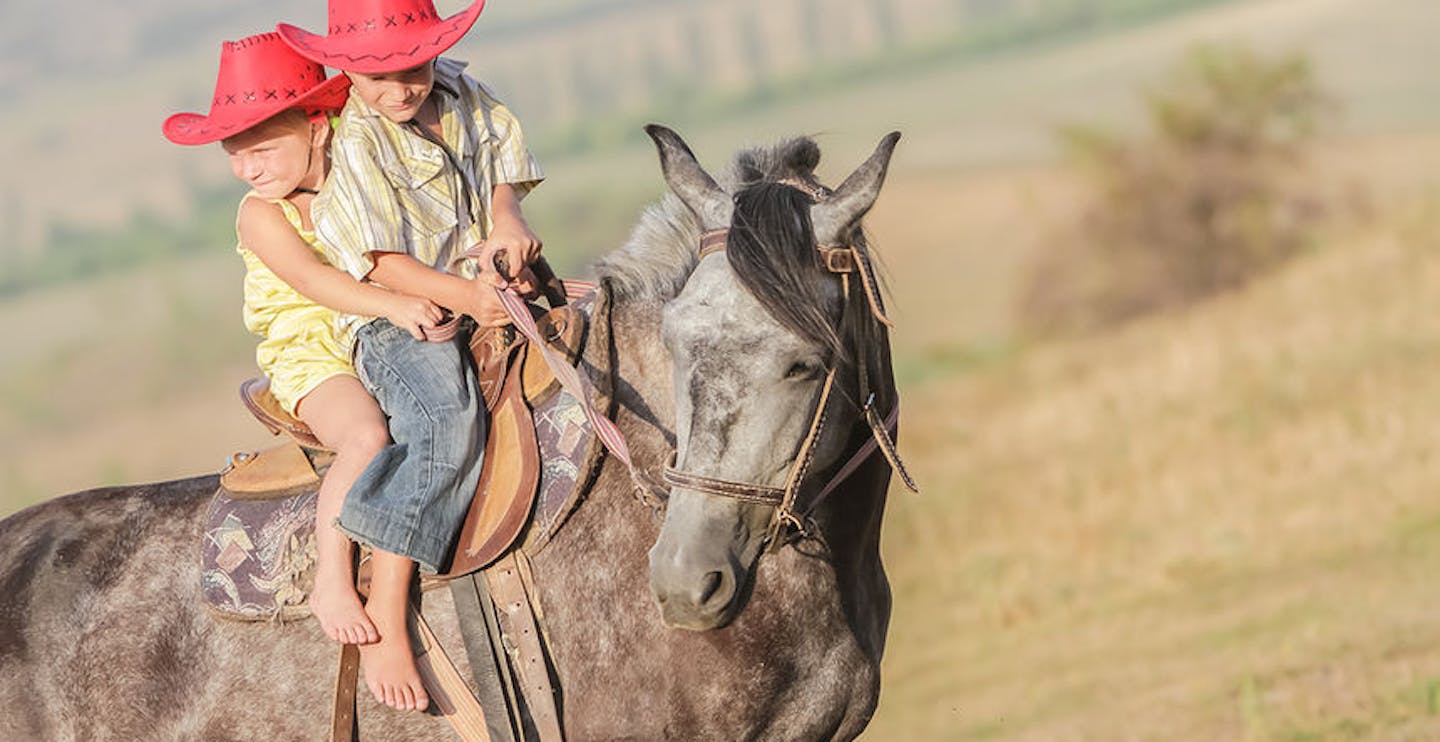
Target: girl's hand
(484,306)
(414,314)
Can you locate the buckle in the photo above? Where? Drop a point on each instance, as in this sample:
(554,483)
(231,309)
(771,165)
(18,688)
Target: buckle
(838,259)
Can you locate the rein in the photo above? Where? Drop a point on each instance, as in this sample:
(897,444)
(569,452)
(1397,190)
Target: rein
(842,261)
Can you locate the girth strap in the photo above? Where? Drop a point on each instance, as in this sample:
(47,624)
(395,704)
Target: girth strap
(485,646)
(524,643)
(344,727)
(449,694)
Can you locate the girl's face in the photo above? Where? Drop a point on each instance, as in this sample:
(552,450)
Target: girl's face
(397,96)
(279,155)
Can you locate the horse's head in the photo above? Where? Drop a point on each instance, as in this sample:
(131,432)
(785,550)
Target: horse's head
(770,349)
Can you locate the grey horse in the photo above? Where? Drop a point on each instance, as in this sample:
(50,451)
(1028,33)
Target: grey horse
(692,625)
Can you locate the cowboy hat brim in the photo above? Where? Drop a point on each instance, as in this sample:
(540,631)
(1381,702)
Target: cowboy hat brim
(194,128)
(388,50)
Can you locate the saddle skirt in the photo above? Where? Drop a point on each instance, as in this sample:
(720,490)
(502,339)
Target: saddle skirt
(258,550)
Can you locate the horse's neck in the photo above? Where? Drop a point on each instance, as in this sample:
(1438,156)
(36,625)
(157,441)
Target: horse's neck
(643,382)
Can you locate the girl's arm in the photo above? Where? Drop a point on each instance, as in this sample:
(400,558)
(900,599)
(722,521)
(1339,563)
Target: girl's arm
(265,231)
(476,298)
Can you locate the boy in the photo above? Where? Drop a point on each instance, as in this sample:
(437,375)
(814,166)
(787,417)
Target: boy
(426,164)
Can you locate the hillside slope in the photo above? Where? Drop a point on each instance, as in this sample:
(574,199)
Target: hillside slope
(1220,524)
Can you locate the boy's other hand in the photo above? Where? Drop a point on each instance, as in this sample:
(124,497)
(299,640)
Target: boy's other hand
(414,314)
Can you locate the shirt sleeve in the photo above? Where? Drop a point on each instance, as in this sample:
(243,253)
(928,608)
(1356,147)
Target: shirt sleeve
(512,163)
(357,212)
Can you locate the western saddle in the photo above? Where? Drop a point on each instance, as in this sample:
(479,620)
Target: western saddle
(512,376)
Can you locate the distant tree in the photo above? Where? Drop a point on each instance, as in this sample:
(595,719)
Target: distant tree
(812,37)
(755,51)
(593,86)
(887,27)
(1212,195)
(696,42)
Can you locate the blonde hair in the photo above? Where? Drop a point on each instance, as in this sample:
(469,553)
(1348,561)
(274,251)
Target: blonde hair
(296,119)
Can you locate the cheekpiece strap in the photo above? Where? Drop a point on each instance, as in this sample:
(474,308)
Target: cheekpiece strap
(713,241)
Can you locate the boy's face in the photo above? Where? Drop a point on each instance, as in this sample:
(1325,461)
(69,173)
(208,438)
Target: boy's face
(274,156)
(396,95)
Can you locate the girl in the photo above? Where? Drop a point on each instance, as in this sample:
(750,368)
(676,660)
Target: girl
(269,112)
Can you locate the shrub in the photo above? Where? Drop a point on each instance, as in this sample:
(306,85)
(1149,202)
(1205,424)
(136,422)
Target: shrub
(1209,197)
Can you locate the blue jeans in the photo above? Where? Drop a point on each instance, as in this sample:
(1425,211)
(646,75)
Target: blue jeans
(412,498)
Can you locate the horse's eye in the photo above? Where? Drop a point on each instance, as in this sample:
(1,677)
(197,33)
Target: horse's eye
(802,370)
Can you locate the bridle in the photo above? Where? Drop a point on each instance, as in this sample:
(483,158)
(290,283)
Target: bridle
(844,261)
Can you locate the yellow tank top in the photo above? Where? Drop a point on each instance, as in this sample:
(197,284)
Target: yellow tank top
(268,299)
(302,345)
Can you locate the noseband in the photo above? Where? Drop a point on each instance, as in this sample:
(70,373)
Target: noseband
(842,261)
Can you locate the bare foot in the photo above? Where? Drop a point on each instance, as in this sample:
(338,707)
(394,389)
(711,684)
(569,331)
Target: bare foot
(338,608)
(390,670)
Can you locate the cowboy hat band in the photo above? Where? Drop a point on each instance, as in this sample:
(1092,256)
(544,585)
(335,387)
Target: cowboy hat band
(375,36)
(259,77)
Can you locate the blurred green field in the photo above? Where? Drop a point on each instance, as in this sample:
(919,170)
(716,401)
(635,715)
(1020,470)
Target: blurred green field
(1212,525)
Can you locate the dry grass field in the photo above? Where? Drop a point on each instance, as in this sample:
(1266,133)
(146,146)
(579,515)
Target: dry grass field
(1215,525)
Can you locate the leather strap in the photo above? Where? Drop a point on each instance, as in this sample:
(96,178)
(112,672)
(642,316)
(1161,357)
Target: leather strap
(757,494)
(713,241)
(485,647)
(344,727)
(517,619)
(449,694)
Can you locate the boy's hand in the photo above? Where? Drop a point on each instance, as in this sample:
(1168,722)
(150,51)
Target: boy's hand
(513,237)
(414,314)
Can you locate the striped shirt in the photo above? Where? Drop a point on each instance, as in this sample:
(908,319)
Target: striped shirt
(391,189)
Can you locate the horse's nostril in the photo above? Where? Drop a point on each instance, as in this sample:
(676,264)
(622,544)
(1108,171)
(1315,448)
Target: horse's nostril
(708,587)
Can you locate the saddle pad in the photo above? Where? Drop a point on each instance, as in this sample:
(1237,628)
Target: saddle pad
(258,557)
(569,449)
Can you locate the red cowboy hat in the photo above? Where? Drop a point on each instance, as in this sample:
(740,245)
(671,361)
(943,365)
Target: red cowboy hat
(259,77)
(373,36)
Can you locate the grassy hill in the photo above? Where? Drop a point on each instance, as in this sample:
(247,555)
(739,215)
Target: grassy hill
(970,196)
(1219,524)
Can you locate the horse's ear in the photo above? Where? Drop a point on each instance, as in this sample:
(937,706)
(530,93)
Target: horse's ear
(689,181)
(836,216)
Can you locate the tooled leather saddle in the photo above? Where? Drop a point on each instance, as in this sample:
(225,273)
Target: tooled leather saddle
(513,378)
